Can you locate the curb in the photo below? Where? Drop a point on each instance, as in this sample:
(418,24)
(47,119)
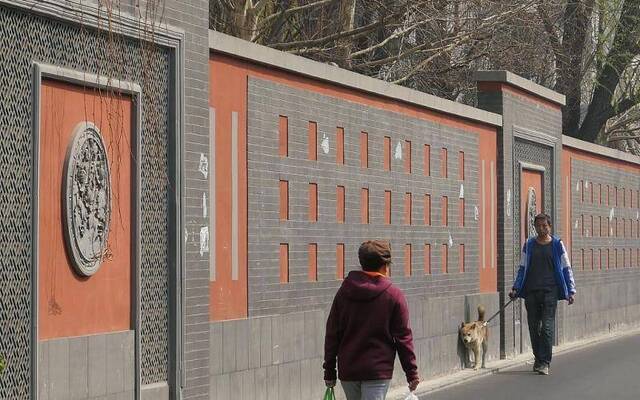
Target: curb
(442,382)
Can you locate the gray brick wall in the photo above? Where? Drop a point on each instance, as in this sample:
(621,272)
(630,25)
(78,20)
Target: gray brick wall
(584,179)
(192,16)
(268,100)
(518,113)
(607,298)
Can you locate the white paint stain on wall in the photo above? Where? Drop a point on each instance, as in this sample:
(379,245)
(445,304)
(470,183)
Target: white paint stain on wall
(203,166)
(450,240)
(204,205)
(461,191)
(509,202)
(476,213)
(204,240)
(325,143)
(398,152)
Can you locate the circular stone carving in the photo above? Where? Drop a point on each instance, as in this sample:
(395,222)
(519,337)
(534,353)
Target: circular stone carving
(531,212)
(87,199)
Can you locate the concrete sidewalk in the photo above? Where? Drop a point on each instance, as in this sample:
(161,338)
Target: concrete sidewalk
(443,382)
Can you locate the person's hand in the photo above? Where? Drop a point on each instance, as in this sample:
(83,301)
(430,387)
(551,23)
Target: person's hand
(512,294)
(571,299)
(413,384)
(330,383)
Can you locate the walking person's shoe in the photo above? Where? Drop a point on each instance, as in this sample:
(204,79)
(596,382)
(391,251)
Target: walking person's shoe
(536,366)
(543,369)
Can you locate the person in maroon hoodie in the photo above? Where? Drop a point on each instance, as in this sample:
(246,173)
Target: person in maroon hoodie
(367,324)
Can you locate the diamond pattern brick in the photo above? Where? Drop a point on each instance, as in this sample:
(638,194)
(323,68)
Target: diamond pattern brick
(26,38)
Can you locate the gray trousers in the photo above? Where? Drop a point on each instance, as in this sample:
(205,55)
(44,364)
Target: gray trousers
(366,390)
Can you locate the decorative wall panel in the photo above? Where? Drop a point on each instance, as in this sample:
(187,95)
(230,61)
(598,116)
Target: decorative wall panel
(26,38)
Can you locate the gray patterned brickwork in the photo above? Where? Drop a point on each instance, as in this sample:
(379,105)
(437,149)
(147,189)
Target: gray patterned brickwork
(585,237)
(266,102)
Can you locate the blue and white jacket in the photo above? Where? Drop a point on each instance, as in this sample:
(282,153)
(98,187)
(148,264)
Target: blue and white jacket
(562,266)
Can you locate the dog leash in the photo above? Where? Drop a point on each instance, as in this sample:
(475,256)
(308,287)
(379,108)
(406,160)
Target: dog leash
(498,312)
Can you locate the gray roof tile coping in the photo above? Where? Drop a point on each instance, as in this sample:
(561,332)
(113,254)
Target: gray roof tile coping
(226,44)
(599,149)
(521,83)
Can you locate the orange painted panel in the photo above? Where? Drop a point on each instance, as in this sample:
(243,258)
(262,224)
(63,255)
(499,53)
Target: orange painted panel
(313,202)
(407,259)
(284,200)
(461,258)
(427,209)
(566,202)
(284,262)
(364,206)
(426,163)
(443,163)
(227,95)
(407,209)
(313,262)
(387,207)
(529,179)
(488,210)
(364,149)
(461,165)
(600,259)
(313,141)
(461,212)
(71,305)
(445,258)
(444,208)
(339,145)
(386,153)
(340,204)
(340,261)
(283,136)
(427,259)
(407,156)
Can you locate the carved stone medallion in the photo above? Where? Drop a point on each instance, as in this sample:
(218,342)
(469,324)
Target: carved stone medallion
(531,212)
(87,199)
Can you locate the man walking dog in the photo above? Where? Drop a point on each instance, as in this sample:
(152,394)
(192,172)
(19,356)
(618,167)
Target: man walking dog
(544,277)
(367,324)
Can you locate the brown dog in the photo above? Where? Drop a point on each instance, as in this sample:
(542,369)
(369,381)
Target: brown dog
(475,335)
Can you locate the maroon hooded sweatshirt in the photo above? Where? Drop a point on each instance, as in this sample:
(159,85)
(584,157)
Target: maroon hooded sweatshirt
(368,323)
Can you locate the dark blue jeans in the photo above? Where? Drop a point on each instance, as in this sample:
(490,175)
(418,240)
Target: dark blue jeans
(541,315)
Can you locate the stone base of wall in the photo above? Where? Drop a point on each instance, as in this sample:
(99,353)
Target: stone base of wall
(281,356)
(155,391)
(87,367)
(600,309)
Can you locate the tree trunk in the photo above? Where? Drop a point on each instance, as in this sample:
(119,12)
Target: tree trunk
(346,13)
(577,16)
(625,47)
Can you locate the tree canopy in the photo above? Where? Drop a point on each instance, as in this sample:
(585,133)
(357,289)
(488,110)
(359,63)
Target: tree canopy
(588,50)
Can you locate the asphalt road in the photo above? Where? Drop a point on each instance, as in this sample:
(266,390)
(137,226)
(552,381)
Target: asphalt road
(605,371)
